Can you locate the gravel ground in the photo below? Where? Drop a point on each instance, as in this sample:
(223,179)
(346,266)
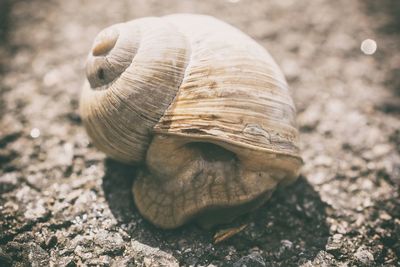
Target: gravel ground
(63,204)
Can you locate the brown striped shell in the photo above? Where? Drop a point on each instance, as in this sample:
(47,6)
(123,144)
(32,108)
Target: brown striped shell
(201,107)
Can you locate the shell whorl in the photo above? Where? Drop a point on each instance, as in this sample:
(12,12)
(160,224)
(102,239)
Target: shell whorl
(134,71)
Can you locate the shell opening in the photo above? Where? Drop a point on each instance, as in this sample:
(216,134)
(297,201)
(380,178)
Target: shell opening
(211,152)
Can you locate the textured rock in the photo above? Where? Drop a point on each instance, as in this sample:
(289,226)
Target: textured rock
(364,257)
(148,256)
(250,260)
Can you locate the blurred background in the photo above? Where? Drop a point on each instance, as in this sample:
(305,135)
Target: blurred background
(63,203)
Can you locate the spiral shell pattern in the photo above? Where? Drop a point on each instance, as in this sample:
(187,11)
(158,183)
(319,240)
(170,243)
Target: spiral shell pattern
(201,107)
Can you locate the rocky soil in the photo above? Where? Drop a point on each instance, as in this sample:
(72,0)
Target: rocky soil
(63,204)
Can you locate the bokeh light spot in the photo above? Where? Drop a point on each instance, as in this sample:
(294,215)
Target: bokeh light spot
(368,46)
(35,133)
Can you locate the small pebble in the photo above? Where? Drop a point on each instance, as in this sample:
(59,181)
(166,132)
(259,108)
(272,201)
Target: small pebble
(364,257)
(287,244)
(334,244)
(381,150)
(385,216)
(251,260)
(323,160)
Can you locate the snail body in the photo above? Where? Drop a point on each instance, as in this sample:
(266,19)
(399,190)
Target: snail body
(201,107)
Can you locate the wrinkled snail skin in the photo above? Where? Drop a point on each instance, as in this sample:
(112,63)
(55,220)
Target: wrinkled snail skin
(201,107)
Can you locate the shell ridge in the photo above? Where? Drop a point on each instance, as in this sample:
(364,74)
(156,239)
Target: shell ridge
(187,67)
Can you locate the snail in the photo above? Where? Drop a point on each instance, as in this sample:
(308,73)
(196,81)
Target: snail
(202,109)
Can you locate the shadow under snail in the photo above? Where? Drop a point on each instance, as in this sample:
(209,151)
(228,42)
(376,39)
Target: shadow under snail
(201,107)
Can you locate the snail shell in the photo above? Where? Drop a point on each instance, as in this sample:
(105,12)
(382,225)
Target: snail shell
(201,107)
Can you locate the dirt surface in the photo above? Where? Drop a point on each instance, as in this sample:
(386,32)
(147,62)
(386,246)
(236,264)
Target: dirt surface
(63,204)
